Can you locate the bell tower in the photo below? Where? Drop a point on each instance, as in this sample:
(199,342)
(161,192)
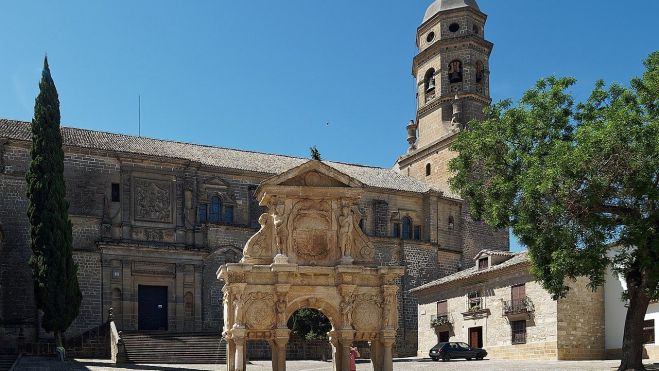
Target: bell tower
(452,86)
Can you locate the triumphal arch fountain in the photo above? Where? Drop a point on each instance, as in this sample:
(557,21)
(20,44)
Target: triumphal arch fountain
(310,253)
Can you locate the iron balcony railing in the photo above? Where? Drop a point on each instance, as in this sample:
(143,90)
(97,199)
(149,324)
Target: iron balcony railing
(440,320)
(518,306)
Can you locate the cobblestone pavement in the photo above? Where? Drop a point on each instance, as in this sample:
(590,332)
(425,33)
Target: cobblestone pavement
(49,364)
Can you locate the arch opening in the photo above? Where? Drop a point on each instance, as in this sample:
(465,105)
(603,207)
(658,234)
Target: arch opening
(309,337)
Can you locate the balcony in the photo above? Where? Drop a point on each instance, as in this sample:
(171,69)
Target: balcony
(518,306)
(476,307)
(440,320)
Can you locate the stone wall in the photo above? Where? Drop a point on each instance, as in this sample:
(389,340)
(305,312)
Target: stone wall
(541,335)
(581,322)
(90,282)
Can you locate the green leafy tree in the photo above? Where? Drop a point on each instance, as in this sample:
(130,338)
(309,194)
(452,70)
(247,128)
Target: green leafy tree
(315,154)
(309,324)
(55,274)
(577,183)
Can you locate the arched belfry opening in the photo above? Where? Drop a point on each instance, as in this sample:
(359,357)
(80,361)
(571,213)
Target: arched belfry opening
(310,253)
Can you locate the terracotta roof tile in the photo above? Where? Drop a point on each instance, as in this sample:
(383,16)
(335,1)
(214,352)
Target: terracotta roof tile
(212,156)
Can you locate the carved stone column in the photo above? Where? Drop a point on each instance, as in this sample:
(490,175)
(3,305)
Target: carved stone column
(231,354)
(281,339)
(274,353)
(240,345)
(376,354)
(336,350)
(346,338)
(387,338)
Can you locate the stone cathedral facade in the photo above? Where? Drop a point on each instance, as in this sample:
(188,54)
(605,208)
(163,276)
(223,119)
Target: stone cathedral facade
(153,220)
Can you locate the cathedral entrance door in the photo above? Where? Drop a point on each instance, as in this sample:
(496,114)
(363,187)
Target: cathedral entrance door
(152,308)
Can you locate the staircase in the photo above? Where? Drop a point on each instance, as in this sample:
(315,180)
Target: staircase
(6,361)
(94,343)
(190,348)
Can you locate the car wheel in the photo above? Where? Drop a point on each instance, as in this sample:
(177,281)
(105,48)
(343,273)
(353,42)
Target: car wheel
(435,359)
(479,358)
(468,358)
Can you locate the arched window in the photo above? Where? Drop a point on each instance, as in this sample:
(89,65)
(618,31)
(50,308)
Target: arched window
(480,71)
(455,71)
(228,214)
(202,213)
(188,303)
(451,222)
(216,207)
(428,169)
(407,228)
(429,80)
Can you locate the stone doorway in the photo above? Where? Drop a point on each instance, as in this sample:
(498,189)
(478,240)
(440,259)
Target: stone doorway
(476,337)
(310,253)
(152,308)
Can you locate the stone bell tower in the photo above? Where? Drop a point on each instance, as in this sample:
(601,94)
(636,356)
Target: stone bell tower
(452,80)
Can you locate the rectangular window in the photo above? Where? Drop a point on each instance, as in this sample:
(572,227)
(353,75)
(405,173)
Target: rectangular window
(116,195)
(518,332)
(442,308)
(202,213)
(648,332)
(228,214)
(397,230)
(474,301)
(483,263)
(417,232)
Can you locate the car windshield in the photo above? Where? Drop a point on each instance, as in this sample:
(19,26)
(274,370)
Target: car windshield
(439,346)
(463,345)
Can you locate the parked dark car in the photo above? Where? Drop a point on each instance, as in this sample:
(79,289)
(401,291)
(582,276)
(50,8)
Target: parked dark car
(451,350)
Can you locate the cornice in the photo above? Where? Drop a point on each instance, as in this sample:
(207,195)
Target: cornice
(448,14)
(439,101)
(438,145)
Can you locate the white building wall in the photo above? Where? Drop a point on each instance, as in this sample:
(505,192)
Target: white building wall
(653,313)
(614,310)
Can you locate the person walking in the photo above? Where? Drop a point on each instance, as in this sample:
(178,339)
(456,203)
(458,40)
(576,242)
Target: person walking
(354,354)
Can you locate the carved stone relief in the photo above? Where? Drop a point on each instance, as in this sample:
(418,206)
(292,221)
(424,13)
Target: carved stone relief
(153,200)
(260,310)
(154,269)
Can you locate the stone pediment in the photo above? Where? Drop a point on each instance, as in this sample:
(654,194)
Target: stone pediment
(314,174)
(312,219)
(215,182)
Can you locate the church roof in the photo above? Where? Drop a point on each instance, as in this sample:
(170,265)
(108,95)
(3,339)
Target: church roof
(220,157)
(441,5)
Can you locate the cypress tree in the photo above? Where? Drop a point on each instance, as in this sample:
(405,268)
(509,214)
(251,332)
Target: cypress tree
(55,273)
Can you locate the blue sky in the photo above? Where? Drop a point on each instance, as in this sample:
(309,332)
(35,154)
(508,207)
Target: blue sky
(270,75)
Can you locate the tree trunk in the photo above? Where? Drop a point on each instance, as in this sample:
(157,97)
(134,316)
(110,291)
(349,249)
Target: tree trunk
(632,341)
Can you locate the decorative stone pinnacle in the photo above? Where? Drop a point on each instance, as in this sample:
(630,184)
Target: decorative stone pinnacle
(411,134)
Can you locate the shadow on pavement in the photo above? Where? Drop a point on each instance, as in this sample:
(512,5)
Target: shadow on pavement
(85,366)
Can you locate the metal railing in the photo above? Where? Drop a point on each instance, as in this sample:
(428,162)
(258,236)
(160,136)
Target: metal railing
(442,319)
(518,306)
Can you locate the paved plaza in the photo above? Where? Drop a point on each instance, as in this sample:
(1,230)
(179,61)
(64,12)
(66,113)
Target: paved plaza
(49,364)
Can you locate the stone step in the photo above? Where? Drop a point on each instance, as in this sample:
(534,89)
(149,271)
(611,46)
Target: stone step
(6,361)
(174,348)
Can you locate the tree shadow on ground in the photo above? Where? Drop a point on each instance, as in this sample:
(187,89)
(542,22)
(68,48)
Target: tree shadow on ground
(85,365)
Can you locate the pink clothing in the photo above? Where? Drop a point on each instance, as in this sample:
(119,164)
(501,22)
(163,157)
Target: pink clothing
(354,354)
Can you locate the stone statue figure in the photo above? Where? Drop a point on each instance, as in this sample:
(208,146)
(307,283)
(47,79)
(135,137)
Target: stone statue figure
(259,245)
(346,309)
(278,217)
(345,230)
